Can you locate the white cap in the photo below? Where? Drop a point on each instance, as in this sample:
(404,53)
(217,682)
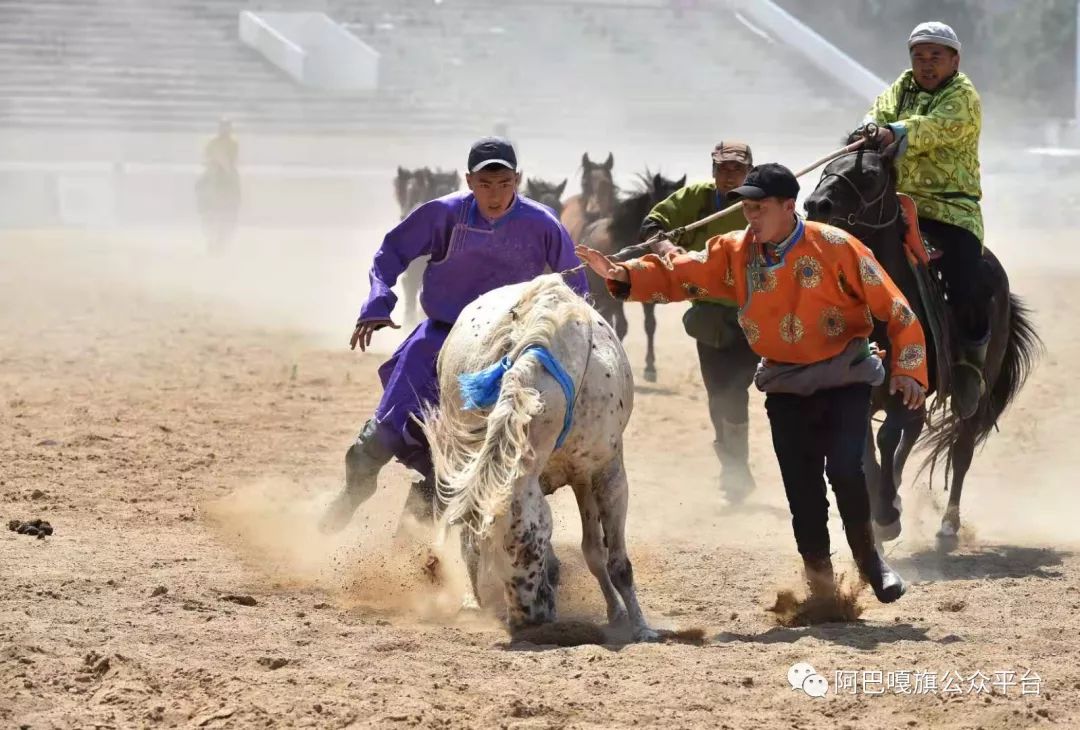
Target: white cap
(934,32)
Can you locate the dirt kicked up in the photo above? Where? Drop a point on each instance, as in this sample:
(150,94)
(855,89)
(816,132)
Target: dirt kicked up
(180,421)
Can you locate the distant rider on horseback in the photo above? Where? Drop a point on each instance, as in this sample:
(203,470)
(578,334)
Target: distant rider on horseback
(934,114)
(478,241)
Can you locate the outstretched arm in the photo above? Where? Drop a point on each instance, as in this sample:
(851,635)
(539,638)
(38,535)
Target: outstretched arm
(412,238)
(669,279)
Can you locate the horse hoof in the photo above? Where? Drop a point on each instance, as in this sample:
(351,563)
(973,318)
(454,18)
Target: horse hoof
(948,530)
(617,618)
(650,375)
(950,524)
(644,634)
(887,533)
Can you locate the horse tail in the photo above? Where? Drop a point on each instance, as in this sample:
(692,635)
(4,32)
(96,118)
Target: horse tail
(479,455)
(1021,352)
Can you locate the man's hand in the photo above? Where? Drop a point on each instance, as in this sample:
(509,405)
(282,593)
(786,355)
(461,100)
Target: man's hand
(885,137)
(601,264)
(365,329)
(913,394)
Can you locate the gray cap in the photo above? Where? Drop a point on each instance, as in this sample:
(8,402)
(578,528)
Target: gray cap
(934,32)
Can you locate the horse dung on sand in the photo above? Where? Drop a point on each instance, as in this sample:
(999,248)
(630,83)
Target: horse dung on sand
(535,393)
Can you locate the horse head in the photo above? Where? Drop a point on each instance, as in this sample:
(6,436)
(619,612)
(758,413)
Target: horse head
(598,186)
(547,193)
(444,183)
(857,192)
(412,188)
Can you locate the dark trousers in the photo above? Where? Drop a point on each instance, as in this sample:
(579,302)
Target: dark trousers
(820,435)
(728,374)
(961,266)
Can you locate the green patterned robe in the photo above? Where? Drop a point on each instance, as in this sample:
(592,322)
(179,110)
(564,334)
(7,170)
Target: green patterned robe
(710,320)
(939,161)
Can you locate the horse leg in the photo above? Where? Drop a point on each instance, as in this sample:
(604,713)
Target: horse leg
(872,469)
(530,597)
(911,430)
(410,288)
(618,314)
(470,553)
(890,436)
(613,493)
(650,332)
(960,454)
(592,546)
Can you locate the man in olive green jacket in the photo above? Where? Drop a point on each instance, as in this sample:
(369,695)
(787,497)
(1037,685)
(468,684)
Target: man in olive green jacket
(935,113)
(727,362)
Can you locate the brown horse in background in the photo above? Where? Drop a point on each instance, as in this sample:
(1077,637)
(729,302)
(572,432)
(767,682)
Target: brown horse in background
(597,199)
(622,229)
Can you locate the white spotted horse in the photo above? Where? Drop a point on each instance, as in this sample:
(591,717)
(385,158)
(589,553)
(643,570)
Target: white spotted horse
(535,394)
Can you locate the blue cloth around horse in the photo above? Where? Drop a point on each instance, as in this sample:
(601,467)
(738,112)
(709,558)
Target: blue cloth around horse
(481,389)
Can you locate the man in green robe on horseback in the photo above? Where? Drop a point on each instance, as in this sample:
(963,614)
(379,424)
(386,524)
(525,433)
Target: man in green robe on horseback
(726,360)
(934,114)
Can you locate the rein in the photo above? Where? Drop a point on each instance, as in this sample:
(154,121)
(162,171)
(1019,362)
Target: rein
(855,218)
(641,249)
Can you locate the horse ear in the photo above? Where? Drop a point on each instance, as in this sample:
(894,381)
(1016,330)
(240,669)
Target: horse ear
(562,187)
(681,182)
(585,161)
(610,162)
(889,153)
(402,173)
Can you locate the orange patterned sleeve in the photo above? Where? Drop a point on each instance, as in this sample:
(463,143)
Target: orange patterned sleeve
(676,278)
(888,304)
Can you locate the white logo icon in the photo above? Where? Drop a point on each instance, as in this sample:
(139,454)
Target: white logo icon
(803,676)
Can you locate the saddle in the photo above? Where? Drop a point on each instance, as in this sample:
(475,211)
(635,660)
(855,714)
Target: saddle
(917,248)
(938,325)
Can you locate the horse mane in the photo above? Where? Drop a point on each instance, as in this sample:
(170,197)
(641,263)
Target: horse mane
(478,456)
(631,211)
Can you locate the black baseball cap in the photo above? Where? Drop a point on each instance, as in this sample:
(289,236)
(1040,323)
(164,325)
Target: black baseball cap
(492,152)
(770,180)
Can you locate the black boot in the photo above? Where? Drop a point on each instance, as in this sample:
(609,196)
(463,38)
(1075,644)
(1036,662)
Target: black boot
(968,385)
(363,461)
(887,584)
(819,576)
(421,500)
(736,481)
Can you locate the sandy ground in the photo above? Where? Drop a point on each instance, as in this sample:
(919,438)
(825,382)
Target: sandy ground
(180,421)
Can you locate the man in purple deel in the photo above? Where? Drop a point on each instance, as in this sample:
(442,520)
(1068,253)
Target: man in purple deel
(477,241)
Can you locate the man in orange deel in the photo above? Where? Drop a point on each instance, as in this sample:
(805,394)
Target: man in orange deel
(807,295)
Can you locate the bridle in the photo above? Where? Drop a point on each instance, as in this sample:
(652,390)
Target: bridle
(854,219)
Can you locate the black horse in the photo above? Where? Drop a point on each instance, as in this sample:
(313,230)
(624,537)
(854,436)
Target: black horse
(622,229)
(546,193)
(413,188)
(857,192)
